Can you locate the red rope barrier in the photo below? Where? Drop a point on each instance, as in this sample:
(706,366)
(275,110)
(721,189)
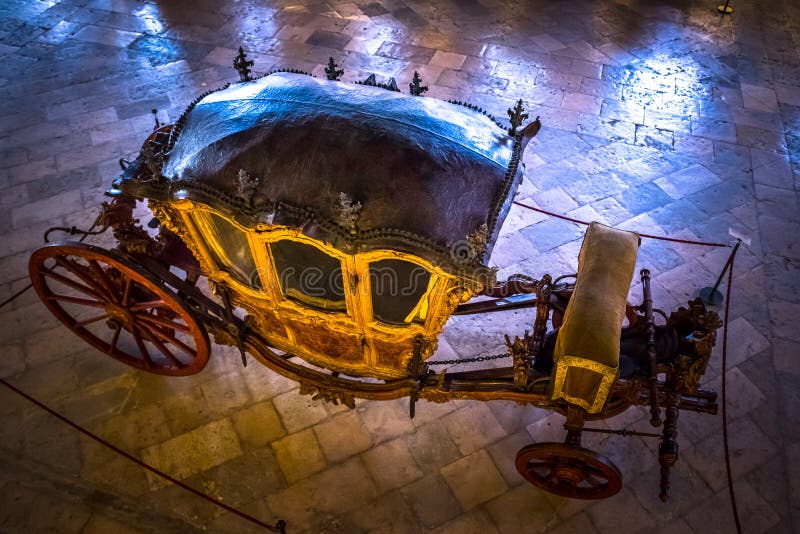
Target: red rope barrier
(660,238)
(725,403)
(15,295)
(278,527)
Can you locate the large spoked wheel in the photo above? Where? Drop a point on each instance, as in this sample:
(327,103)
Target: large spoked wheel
(119,308)
(568,471)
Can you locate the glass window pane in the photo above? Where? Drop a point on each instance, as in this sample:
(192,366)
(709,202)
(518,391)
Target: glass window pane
(309,276)
(397,287)
(234,256)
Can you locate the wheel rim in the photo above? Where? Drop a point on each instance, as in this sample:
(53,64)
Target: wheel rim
(118,308)
(569,471)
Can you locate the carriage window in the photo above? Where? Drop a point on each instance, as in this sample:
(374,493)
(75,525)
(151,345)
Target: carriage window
(309,276)
(397,289)
(232,252)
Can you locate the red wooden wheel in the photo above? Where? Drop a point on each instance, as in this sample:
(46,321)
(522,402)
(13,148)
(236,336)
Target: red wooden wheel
(568,471)
(119,309)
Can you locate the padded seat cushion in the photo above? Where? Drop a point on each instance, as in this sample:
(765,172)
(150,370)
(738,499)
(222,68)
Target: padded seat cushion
(586,354)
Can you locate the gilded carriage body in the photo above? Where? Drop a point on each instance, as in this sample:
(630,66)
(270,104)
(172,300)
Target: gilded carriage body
(350,220)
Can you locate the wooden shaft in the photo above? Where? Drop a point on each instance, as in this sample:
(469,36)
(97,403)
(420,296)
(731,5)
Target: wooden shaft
(668,448)
(655,412)
(574,425)
(543,290)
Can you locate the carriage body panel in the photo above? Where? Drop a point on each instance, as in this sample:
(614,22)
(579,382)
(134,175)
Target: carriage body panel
(346,336)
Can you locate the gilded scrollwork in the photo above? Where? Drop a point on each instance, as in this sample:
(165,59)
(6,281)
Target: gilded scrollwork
(520,352)
(224,334)
(436,395)
(246,186)
(691,365)
(332,396)
(479,239)
(696,347)
(348,212)
(169,217)
(130,236)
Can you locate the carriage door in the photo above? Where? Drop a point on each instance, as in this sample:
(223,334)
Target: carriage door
(317,306)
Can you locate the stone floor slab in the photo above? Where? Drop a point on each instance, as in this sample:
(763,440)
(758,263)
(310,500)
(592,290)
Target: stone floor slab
(474,479)
(195,451)
(299,455)
(391,465)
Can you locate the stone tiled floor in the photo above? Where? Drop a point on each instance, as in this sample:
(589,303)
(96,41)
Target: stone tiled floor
(659,117)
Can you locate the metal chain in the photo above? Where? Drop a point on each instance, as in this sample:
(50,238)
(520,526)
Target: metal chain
(471,360)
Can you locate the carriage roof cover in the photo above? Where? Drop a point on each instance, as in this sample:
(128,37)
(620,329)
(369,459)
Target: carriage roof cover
(426,173)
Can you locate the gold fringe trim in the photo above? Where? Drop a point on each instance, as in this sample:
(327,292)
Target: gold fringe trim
(609,375)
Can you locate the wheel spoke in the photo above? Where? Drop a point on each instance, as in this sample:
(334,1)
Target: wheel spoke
(538,465)
(155,319)
(113,345)
(163,348)
(70,282)
(103,279)
(77,271)
(92,320)
(594,470)
(127,292)
(172,339)
(592,481)
(148,305)
(550,479)
(76,300)
(543,478)
(142,349)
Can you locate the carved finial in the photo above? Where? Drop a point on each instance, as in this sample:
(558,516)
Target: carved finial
(153,158)
(392,85)
(332,72)
(479,239)
(246,186)
(371,80)
(349,212)
(520,350)
(516,116)
(416,86)
(242,66)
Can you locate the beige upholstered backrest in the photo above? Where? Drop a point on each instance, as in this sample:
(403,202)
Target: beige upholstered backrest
(587,349)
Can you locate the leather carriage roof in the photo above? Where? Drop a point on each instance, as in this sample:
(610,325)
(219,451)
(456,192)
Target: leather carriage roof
(426,173)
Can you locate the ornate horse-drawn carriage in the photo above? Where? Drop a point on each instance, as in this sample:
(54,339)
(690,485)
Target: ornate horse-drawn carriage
(340,226)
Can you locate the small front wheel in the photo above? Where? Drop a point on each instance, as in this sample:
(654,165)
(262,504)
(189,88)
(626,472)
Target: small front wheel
(568,471)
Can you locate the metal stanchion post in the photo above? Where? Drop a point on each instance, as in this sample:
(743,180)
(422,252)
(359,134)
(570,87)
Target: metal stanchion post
(711,295)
